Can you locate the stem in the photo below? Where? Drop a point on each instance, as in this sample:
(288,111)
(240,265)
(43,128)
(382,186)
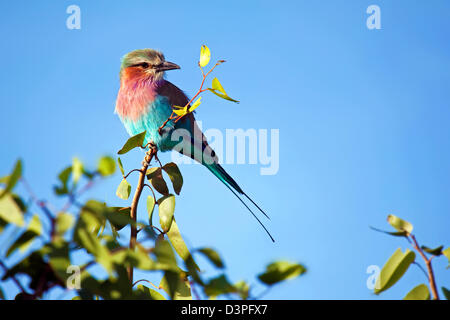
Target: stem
(75,195)
(134,170)
(14,279)
(144,280)
(204,76)
(431,278)
(134,205)
(194,291)
(43,206)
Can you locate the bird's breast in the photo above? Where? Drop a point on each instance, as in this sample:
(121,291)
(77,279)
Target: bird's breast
(149,119)
(134,98)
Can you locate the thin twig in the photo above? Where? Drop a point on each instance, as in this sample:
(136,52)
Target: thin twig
(159,230)
(17,282)
(42,205)
(431,278)
(144,280)
(134,205)
(194,290)
(134,170)
(73,196)
(151,189)
(200,90)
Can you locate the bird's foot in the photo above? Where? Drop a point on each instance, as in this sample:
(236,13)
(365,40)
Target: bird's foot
(151,152)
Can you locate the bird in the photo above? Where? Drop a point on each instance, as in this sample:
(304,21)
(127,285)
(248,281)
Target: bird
(145,101)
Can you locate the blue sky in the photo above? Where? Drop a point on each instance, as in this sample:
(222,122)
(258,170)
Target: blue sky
(362,115)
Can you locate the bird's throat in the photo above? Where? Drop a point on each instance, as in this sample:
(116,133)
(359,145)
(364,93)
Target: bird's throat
(135,94)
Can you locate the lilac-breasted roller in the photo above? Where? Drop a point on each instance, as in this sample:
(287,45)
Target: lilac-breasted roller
(146,100)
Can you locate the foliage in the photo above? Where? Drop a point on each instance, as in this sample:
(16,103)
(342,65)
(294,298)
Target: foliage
(96,228)
(399,263)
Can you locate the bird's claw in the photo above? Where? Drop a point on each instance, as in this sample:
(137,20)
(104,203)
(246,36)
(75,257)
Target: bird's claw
(151,152)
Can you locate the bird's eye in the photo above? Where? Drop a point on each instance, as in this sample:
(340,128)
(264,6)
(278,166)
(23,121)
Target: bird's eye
(144,65)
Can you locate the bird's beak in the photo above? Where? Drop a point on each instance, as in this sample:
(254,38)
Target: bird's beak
(166,65)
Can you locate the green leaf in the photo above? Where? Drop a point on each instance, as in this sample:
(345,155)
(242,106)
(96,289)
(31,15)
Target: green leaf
(218,90)
(11,181)
(176,285)
(10,211)
(23,242)
(280,271)
(212,256)
(180,111)
(119,217)
(165,256)
(154,175)
(33,265)
(446,293)
(446,253)
(137,259)
(64,221)
(121,166)
(399,224)
(420,292)
(124,190)
(77,170)
(59,258)
(394,269)
(435,252)
(63,177)
(86,236)
(242,288)
(89,174)
(3,224)
(166,206)
(193,269)
(22,206)
(98,214)
(133,142)
(150,208)
(94,211)
(35,225)
(149,294)
(106,166)
(205,56)
(175,176)
(178,243)
(395,234)
(219,285)
(195,104)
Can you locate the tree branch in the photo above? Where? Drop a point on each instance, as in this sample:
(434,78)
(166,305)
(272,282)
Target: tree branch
(134,205)
(431,278)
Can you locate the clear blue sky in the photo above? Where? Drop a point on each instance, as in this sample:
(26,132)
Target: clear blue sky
(363,118)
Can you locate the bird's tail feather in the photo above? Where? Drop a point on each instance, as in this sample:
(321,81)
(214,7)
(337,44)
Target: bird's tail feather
(225,177)
(229,182)
(198,149)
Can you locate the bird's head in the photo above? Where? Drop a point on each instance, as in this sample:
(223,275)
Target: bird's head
(145,64)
